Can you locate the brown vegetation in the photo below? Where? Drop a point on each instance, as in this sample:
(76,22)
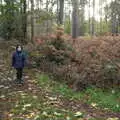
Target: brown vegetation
(86,62)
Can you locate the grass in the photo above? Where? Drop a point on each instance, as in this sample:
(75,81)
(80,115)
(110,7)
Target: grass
(95,97)
(104,99)
(38,107)
(29,107)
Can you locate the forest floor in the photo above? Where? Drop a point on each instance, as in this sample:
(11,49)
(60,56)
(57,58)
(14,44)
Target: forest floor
(36,101)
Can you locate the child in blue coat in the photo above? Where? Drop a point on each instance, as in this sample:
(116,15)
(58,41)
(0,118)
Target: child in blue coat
(18,62)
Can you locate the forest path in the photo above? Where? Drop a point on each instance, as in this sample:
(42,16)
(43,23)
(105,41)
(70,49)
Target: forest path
(31,102)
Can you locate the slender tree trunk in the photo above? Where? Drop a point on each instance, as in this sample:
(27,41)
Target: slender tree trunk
(37,4)
(101,13)
(89,19)
(10,12)
(24,20)
(118,23)
(75,20)
(1,10)
(58,11)
(93,19)
(32,21)
(61,11)
(81,13)
(47,3)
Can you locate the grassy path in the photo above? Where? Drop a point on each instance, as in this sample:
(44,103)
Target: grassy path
(37,101)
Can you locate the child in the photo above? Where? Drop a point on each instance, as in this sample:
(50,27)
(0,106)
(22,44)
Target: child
(18,62)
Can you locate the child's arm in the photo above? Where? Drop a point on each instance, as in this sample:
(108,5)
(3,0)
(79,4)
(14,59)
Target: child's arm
(24,60)
(13,60)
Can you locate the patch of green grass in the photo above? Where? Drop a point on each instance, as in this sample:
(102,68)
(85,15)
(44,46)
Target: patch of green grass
(104,99)
(28,104)
(18,119)
(56,87)
(57,114)
(93,96)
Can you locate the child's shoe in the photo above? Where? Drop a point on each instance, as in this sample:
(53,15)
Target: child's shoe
(22,81)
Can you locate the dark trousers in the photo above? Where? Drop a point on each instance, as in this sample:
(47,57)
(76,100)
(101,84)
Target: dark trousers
(19,73)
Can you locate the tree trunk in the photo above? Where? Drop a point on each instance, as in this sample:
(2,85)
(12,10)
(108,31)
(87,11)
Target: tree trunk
(93,19)
(57,11)
(75,20)
(101,14)
(47,25)
(89,19)
(61,11)
(24,20)
(32,21)
(9,12)
(81,13)
(1,9)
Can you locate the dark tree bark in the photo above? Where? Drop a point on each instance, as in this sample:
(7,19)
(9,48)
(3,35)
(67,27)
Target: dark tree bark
(89,19)
(24,20)
(9,22)
(61,11)
(93,19)
(32,21)
(81,13)
(75,20)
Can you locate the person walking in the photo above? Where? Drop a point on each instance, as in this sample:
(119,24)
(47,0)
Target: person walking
(18,62)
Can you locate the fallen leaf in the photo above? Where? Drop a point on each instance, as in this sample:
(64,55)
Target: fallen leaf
(52,98)
(44,113)
(2,86)
(93,104)
(78,114)
(36,117)
(117,106)
(35,97)
(27,105)
(68,118)
(57,114)
(2,96)
(113,119)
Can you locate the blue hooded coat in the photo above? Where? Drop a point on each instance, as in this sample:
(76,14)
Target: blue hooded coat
(18,59)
